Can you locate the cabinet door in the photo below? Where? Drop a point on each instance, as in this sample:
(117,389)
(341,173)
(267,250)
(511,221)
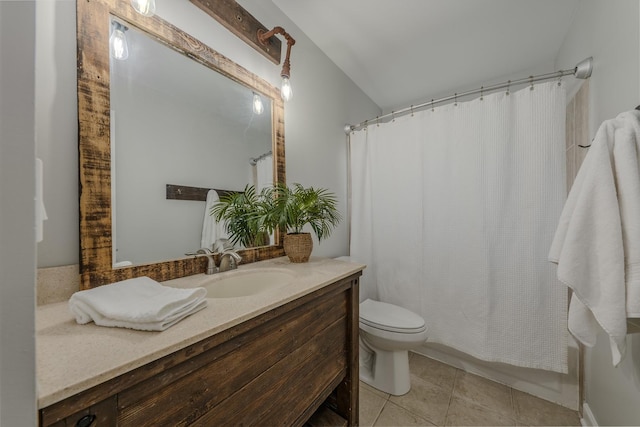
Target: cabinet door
(102,414)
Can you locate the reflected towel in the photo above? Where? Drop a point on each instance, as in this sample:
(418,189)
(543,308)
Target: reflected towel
(597,243)
(209,225)
(41,212)
(140,303)
(212,230)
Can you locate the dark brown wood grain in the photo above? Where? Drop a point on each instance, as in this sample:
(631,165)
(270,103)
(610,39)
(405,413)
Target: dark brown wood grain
(348,391)
(276,396)
(326,417)
(185,192)
(94,137)
(230,367)
(241,23)
(260,367)
(105,413)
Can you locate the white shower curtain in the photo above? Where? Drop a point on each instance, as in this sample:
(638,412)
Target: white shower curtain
(264,172)
(454,211)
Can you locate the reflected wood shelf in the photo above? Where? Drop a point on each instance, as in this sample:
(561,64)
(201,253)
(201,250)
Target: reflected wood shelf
(185,192)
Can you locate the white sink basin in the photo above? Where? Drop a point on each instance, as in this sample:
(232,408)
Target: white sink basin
(246,283)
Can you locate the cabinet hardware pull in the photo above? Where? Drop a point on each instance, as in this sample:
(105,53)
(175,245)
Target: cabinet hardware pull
(86,421)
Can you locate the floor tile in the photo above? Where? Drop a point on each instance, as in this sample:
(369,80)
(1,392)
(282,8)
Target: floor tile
(374,390)
(484,392)
(465,413)
(533,411)
(393,415)
(425,399)
(369,406)
(432,371)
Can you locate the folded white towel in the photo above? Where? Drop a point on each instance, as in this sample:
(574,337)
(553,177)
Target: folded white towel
(139,303)
(597,243)
(120,264)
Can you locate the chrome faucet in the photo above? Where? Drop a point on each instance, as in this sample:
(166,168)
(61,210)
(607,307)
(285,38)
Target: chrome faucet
(229,260)
(211,263)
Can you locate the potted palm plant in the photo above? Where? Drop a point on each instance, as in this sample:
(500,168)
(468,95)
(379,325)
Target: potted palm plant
(291,208)
(243,214)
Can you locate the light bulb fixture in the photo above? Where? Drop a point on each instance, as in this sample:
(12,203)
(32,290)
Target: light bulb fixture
(118,41)
(258,108)
(144,7)
(285,91)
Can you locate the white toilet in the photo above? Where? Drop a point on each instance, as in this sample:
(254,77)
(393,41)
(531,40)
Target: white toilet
(387,333)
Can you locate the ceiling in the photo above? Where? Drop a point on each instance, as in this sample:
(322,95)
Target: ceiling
(408,50)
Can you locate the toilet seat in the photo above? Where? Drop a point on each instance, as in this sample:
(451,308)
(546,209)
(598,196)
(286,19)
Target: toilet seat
(389,317)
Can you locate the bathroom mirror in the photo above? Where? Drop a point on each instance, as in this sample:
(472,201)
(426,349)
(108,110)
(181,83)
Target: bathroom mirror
(175,122)
(134,143)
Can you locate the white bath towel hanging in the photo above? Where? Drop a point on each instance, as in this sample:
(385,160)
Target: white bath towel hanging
(139,303)
(41,212)
(264,172)
(211,229)
(597,243)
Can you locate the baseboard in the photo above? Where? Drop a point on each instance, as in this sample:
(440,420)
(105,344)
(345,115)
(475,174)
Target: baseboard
(588,419)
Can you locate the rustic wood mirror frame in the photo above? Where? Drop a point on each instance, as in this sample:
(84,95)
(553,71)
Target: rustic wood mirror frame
(93,30)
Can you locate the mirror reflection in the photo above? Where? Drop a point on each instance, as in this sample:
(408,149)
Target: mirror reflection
(178,127)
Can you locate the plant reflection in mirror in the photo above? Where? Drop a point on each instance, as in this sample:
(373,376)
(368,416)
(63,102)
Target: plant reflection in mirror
(242,213)
(250,216)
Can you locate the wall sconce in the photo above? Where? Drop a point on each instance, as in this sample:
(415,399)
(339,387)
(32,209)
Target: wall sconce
(285,90)
(144,7)
(258,108)
(118,42)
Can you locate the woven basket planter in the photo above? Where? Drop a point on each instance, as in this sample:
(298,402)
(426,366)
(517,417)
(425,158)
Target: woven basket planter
(298,246)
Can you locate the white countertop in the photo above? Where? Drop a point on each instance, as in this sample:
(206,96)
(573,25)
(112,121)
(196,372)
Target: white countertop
(72,358)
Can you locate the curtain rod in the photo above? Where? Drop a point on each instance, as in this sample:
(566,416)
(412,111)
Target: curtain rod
(581,71)
(253,161)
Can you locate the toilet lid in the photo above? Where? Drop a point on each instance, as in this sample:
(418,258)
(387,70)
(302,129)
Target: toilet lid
(390,317)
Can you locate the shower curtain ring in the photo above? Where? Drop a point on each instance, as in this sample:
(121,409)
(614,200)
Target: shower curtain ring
(393,117)
(508,86)
(432,105)
(412,111)
(531,81)
(378,121)
(481,93)
(366,124)
(559,78)
(455,97)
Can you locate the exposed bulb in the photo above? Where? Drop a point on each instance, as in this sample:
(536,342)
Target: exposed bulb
(285,90)
(144,7)
(118,42)
(258,108)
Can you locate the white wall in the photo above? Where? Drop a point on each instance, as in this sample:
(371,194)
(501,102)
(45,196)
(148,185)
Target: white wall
(57,130)
(17,217)
(159,141)
(609,31)
(324,100)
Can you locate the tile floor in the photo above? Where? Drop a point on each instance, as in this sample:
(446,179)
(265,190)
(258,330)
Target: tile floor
(445,396)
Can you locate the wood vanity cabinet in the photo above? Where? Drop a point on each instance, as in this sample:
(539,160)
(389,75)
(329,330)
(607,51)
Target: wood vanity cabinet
(278,368)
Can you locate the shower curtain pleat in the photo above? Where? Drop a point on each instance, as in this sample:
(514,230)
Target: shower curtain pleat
(454,211)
